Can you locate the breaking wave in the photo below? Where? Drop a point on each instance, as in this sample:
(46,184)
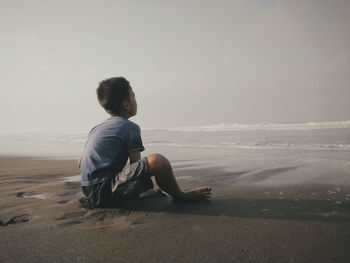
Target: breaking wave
(262,126)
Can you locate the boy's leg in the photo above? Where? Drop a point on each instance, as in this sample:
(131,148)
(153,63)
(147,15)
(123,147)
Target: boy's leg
(161,169)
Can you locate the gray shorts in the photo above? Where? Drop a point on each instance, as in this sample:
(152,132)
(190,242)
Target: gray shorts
(128,184)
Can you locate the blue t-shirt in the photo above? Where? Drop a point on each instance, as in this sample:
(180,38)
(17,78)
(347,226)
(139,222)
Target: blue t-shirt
(107,149)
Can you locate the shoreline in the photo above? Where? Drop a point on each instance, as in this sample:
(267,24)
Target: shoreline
(42,219)
(40,156)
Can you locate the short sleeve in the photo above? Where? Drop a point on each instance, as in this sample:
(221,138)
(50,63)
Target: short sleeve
(134,141)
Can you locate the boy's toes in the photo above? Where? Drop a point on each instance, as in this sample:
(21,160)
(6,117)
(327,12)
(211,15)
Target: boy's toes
(206,189)
(203,188)
(202,193)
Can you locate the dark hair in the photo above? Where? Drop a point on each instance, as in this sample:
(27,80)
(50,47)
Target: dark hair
(112,92)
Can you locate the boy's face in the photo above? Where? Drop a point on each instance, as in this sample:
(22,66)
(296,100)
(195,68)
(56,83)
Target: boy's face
(132,105)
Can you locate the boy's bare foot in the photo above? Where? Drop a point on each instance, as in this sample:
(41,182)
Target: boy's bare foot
(197,194)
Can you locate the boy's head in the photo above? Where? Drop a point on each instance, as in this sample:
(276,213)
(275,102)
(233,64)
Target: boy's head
(117,97)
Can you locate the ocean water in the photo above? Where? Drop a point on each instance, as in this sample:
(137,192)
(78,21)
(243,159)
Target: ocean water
(326,136)
(250,149)
(308,136)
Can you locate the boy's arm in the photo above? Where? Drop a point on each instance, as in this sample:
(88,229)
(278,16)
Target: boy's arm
(134,156)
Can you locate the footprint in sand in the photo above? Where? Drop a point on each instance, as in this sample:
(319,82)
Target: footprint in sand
(104,214)
(16,220)
(63,201)
(20,194)
(100,215)
(71,215)
(31,195)
(71,223)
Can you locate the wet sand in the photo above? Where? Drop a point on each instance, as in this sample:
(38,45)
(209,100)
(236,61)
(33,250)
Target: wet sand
(42,219)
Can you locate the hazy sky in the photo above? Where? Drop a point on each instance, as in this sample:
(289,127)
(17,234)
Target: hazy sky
(189,62)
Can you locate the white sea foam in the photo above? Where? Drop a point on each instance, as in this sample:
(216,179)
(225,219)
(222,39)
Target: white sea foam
(263,126)
(259,145)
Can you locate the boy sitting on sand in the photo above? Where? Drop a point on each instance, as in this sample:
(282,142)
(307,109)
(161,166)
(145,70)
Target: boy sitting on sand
(111,143)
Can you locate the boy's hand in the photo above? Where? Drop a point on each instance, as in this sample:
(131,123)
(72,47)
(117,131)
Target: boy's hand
(79,161)
(134,156)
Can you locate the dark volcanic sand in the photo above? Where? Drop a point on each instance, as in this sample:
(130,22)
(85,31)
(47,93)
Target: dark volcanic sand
(42,220)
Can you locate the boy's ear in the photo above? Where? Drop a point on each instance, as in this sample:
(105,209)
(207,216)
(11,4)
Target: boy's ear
(125,104)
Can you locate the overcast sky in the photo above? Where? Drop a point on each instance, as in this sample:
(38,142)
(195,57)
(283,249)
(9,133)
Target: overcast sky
(189,62)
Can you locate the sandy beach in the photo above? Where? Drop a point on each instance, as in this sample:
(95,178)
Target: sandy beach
(44,219)
(249,98)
